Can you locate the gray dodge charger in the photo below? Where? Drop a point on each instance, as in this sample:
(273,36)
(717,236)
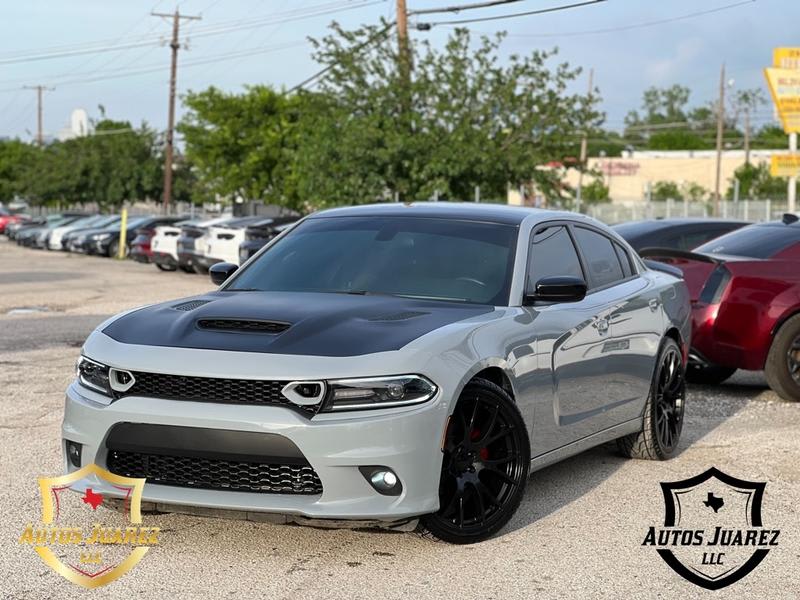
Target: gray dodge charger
(390,364)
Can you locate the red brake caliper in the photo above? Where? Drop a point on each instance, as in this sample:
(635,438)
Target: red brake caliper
(474,436)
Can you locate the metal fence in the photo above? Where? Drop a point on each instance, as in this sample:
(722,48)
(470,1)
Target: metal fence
(746,210)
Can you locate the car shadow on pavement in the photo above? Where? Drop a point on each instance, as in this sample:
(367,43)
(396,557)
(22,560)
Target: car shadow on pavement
(554,487)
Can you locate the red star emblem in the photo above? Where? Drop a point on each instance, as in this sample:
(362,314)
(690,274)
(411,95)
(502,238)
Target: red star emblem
(91,498)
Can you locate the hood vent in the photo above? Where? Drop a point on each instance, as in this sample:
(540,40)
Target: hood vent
(191,305)
(243,325)
(401,316)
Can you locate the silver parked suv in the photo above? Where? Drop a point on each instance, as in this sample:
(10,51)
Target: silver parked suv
(389,363)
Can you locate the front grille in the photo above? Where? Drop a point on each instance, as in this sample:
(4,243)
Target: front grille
(243,325)
(212,389)
(214,474)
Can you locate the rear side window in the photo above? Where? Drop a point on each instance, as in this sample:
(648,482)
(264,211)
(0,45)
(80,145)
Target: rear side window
(552,253)
(624,260)
(600,256)
(755,241)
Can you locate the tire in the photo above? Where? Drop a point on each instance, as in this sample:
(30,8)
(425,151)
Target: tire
(200,270)
(113,249)
(485,464)
(186,269)
(783,361)
(664,410)
(165,267)
(708,375)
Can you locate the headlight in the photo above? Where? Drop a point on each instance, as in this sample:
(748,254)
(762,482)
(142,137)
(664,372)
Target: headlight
(93,375)
(101,236)
(102,378)
(378,392)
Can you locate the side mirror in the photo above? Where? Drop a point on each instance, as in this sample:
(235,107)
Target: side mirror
(220,272)
(558,289)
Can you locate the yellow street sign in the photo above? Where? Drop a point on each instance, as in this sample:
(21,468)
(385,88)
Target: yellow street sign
(784,85)
(785,165)
(786,58)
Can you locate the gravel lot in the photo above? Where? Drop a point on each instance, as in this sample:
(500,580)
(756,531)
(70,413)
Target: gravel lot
(577,534)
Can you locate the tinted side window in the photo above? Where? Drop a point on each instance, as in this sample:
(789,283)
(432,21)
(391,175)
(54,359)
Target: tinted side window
(552,253)
(624,259)
(600,256)
(755,241)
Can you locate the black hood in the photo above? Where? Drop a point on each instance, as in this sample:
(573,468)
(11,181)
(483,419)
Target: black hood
(317,324)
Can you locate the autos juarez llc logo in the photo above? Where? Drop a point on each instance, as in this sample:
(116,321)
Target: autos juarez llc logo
(712,535)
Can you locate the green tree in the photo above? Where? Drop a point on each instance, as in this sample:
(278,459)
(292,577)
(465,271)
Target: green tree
(465,121)
(595,192)
(665,190)
(15,159)
(243,144)
(756,183)
(113,165)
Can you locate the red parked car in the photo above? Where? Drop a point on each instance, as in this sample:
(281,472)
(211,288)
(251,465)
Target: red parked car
(745,292)
(7,219)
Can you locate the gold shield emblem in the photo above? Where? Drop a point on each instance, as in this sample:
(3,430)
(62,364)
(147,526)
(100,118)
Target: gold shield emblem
(87,546)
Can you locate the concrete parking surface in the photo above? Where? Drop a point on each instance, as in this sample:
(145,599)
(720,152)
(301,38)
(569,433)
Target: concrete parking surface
(578,533)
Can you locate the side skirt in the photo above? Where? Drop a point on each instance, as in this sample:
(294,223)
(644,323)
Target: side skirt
(590,441)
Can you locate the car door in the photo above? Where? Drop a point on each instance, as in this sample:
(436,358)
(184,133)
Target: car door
(631,308)
(570,336)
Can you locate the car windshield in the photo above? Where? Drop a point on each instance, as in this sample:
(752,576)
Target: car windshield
(756,241)
(429,258)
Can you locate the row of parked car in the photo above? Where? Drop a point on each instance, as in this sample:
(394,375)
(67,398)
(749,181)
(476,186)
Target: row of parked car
(169,242)
(743,278)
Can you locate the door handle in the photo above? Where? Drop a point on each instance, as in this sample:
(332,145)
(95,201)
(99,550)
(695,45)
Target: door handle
(654,303)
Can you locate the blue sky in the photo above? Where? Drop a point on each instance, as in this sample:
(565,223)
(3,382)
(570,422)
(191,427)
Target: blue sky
(687,51)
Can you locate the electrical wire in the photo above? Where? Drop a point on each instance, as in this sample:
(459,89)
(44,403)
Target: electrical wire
(633,25)
(539,11)
(460,7)
(219,29)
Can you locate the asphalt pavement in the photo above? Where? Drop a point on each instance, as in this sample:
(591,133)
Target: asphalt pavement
(577,534)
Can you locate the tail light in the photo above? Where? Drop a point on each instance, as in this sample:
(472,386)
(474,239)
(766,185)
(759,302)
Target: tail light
(715,285)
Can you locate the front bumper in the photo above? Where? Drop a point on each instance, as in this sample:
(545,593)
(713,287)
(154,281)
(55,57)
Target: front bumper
(335,445)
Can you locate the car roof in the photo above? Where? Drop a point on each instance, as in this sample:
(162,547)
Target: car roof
(652,225)
(497,213)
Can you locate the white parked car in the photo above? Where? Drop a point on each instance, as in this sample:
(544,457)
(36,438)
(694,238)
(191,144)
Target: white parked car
(56,235)
(164,245)
(220,243)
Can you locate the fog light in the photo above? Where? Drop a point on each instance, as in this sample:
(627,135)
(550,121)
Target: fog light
(74,453)
(383,479)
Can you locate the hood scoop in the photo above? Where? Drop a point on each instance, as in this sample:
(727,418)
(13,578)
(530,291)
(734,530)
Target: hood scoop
(243,325)
(191,305)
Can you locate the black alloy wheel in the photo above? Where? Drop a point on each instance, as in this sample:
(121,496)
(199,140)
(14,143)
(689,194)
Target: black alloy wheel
(783,361)
(670,399)
(793,360)
(484,468)
(663,413)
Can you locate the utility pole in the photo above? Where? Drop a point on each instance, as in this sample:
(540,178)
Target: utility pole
(40,89)
(402,38)
(173,76)
(720,129)
(747,135)
(584,145)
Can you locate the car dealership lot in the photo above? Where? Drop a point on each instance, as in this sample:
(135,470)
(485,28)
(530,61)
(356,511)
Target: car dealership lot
(578,532)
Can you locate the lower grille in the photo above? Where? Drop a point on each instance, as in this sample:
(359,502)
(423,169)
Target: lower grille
(214,474)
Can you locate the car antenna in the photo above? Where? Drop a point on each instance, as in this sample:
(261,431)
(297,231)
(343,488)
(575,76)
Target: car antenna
(789,218)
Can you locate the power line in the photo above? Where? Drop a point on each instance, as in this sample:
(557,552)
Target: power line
(633,25)
(459,7)
(219,29)
(376,36)
(540,11)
